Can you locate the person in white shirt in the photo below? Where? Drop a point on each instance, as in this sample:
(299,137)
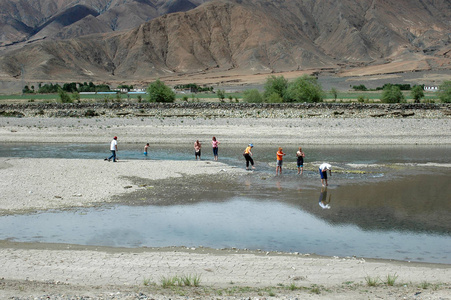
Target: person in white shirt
(113,148)
(323,168)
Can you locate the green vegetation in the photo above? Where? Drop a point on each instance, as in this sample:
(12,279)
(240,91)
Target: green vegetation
(334,92)
(64,96)
(360,87)
(315,289)
(417,93)
(50,88)
(158,92)
(221,95)
(304,89)
(444,93)
(392,94)
(185,280)
(402,87)
(194,88)
(252,96)
(391,279)
(372,281)
(277,89)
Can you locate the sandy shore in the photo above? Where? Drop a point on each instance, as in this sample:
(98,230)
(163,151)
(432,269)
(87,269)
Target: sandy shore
(66,271)
(279,131)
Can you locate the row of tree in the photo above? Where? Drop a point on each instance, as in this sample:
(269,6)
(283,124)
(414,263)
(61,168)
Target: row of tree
(277,89)
(402,87)
(194,88)
(73,87)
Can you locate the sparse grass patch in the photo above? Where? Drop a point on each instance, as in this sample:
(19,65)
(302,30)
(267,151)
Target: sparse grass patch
(391,279)
(372,281)
(185,280)
(315,289)
(167,282)
(148,282)
(425,285)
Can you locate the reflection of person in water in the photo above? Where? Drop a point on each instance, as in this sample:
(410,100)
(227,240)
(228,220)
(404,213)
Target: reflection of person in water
(323,201)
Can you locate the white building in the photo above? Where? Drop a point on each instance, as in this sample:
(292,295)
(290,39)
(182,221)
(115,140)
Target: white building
(430,88)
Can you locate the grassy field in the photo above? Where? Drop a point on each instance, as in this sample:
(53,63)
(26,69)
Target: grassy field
(351,96)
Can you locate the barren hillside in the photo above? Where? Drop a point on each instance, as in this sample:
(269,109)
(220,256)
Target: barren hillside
(250,37)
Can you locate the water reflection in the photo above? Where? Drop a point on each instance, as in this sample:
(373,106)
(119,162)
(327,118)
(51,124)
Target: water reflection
(323,199)
(240,222)
(386,211)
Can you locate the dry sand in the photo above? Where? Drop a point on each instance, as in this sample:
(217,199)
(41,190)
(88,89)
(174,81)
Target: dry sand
(31,271)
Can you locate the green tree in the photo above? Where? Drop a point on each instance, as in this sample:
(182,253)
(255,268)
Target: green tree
(76,96)
(221,95)
(252,96)
(26,90)
(274,98)
(444,92)
(70,87)
(360,87)
(334,93)
(417,93)
(392,94)
(305,89)
(275,85)
(159,92)
(64,96)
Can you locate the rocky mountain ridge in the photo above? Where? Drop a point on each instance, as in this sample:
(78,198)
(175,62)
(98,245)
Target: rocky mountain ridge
(253,36)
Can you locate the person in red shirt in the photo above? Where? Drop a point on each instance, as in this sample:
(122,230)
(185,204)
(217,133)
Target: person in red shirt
(280,155)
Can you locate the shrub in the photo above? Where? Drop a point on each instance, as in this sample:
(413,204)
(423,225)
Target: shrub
(221,95)
(64,97)
(275,85)
(27,90)
(334,93)
(360,87)
(444,92)
(417,93)
(76,96)
(305,89)
(392,94)
(159,92)
(274,98)
(361,99)
(252,96)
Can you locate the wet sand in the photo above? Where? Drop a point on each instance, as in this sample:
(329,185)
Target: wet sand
(34,270)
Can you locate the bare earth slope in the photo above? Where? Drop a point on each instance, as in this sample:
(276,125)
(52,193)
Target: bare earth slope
(248,36)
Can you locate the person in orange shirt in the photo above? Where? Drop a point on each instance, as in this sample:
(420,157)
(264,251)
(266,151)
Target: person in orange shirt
(248,156)
(280,155)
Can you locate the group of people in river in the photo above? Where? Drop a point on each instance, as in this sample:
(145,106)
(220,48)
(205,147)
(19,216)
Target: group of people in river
(323,168)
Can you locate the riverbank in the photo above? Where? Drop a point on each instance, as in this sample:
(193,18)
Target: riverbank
(309,124)
(48,271)
(55,271)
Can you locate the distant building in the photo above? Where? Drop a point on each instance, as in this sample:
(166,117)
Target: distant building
(430,88)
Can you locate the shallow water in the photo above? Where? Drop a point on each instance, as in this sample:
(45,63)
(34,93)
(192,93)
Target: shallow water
(394,209)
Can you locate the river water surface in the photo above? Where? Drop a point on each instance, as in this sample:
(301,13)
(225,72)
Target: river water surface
(382,202)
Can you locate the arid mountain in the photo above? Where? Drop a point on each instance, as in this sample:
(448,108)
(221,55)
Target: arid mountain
(254,36)
(22,20)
